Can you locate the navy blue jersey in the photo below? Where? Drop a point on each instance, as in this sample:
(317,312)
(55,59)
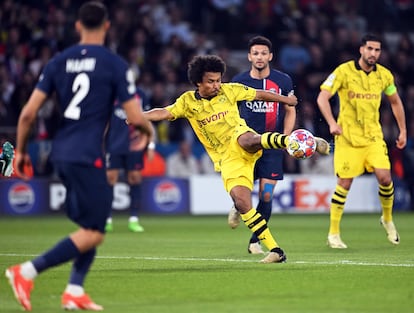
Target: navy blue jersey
(87,79)
(120,134)
(264,116)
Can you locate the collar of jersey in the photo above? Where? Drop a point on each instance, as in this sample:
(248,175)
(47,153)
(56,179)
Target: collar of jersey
(359,67)
(199,97)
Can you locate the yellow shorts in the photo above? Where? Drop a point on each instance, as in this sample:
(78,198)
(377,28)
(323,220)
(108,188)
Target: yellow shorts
(352,161)
(237,165)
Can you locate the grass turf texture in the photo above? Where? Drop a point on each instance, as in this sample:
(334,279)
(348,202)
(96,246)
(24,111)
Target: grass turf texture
(198,264)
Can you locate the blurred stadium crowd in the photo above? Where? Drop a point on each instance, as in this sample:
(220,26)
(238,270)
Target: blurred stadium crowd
(158,38)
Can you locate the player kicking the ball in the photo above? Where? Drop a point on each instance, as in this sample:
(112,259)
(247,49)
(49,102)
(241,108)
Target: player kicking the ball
(233,147)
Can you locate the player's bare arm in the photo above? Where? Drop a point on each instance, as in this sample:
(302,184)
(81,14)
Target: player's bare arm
(290,118)
(399,114)
(136,117)
(326,110)
(266,95)
(24,126)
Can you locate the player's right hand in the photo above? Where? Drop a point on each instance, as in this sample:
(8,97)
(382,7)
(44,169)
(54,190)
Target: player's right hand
(22,161)
(292,100)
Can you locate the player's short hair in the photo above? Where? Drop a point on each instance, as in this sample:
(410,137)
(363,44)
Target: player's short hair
(370,37)
(202,64)
(259,40)
(93,14)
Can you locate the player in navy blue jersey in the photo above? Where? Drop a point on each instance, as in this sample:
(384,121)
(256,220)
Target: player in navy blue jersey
(264,117)
(123,153)
(87,78)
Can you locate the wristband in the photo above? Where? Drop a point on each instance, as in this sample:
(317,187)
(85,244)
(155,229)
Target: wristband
(151,145)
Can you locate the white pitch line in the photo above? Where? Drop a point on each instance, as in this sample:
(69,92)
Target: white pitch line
(339,262)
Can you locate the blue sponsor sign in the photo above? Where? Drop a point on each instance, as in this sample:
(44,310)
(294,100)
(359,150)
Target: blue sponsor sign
(165,196)
(24,197)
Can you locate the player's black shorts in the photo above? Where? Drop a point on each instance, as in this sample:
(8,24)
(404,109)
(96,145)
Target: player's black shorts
(129,161)
(88,194)
(270,165)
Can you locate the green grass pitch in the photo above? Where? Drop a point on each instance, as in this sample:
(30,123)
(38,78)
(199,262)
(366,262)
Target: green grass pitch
(198,264)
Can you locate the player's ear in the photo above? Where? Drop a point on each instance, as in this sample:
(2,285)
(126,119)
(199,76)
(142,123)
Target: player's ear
(271,56)
(107,24)
(78,26)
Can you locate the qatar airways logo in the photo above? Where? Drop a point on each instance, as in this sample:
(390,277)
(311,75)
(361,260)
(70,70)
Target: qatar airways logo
(260,106)
(363,96)
(212,118)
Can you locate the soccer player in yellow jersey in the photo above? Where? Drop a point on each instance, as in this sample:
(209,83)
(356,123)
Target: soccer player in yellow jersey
(359,142)
(233,147)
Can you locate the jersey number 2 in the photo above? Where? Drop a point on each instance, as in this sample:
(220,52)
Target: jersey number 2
(80,88)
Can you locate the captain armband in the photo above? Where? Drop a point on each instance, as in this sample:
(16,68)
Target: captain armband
(390,90)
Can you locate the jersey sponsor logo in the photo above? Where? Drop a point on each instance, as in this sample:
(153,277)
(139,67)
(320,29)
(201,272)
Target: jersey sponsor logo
(363,96)
(80,65)
(260,106)
(212,118)
(21,197)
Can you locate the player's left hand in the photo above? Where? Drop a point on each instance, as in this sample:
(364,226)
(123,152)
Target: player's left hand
(401,141)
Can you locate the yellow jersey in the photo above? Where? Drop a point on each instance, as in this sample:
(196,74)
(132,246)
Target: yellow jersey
(359,100)
(214,120)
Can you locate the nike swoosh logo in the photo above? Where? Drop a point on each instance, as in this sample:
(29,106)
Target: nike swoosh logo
(274,175)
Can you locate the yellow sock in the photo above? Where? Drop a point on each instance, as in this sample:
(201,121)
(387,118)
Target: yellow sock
(274,141)
(337,209)
(386,197)
(257,224)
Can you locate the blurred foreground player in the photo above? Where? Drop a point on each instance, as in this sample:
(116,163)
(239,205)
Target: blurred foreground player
(87,78)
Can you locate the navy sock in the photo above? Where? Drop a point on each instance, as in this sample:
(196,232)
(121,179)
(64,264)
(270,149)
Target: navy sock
(135,193)
(81,267)
(265,209)
(62,252)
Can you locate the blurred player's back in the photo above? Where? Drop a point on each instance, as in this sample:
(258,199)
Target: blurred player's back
(84,77)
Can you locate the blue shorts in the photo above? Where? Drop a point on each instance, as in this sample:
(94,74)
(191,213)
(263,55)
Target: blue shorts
(88,194)
(269,165)
(128,161)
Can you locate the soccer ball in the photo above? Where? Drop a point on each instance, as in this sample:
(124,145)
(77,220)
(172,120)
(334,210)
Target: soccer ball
(306,141)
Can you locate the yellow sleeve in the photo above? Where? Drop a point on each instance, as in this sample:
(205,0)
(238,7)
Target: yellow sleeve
(242,92)
(178,109)
(333,82)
